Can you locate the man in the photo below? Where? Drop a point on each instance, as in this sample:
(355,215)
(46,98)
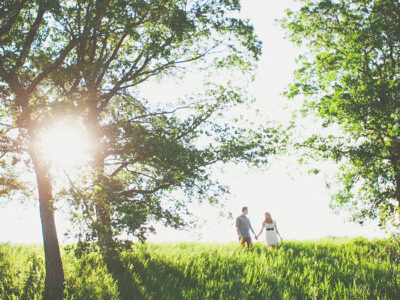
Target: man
(243,227)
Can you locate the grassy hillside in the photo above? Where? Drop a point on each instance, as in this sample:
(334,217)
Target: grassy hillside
(325,269)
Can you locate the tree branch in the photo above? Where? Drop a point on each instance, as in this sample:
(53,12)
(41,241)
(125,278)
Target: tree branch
(77,190)
(30,38)
(50,68)
(119,169)
(111,58)
(14,83)
(6,28)
(159,113)
(148,191)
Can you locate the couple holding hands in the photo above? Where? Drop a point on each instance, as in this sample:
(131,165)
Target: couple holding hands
(243,228)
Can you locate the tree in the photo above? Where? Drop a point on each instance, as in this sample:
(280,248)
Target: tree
(349,77)
(32,46)
(144,154)
(84,59)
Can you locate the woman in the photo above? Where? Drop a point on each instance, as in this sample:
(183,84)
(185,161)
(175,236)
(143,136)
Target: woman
(271,231)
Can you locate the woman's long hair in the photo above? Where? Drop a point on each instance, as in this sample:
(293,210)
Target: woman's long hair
(268,218)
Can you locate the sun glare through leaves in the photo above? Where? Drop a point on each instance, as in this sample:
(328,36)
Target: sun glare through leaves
(65,144)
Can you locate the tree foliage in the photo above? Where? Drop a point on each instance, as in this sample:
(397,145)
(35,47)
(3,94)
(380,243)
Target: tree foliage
(144,154)
(86,60)
(32,46)
(349,76)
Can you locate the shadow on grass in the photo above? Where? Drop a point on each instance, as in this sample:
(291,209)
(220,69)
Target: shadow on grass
(145,276)
(150,279)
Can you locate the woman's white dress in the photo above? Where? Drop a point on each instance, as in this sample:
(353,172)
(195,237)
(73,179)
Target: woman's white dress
(271,238)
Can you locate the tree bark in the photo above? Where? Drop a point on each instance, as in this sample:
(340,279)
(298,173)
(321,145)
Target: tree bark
(54,284)
(397,180)
(104,234)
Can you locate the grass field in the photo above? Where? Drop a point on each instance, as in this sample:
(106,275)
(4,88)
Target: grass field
(323,269)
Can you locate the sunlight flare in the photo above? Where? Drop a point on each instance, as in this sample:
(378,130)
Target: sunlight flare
(65,144)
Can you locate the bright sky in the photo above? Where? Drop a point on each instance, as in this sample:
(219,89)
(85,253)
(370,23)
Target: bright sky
(297,201)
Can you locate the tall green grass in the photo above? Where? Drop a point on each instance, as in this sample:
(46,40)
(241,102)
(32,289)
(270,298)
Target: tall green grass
(324,269)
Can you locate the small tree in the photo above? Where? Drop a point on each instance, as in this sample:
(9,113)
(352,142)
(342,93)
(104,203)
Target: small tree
(350,77)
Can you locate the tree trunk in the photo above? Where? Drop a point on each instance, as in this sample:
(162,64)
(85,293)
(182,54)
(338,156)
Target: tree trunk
(104,234)
(54,284)
(397,180)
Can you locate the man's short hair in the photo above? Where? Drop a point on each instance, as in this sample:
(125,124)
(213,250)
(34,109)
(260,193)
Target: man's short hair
(244,208)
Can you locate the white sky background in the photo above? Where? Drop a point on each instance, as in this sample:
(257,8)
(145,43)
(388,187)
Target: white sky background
(299,202)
